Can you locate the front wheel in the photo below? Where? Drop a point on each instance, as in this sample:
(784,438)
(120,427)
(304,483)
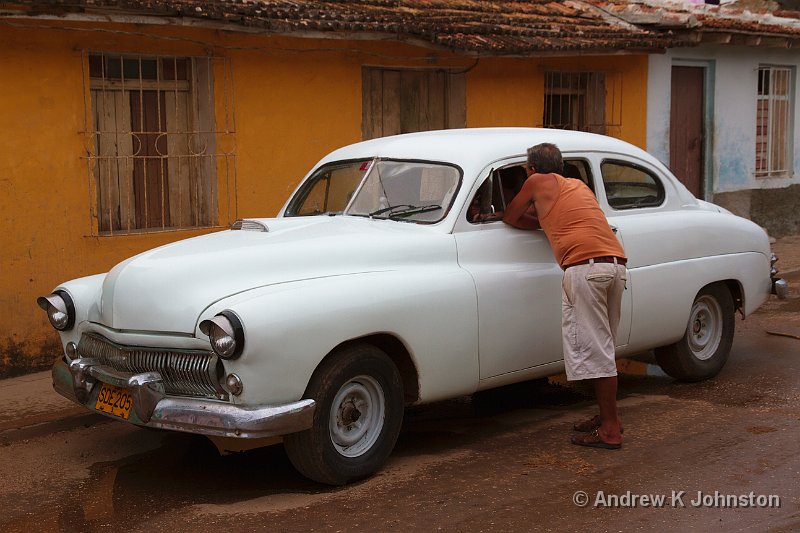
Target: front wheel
(359,396)
(704,348)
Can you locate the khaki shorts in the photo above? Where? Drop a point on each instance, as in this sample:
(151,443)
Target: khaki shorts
(591,297)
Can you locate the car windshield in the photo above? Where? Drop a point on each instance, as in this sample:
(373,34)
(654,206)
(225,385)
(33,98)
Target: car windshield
(410,191)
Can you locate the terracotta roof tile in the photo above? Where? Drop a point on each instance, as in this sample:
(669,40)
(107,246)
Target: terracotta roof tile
(472,26)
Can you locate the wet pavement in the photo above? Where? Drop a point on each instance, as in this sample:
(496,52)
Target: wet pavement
(497,461)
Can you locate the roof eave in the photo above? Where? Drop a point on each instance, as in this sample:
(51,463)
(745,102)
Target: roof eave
(660,42)
(740,38)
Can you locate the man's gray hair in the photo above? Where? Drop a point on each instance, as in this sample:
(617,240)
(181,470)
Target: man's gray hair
(545,158)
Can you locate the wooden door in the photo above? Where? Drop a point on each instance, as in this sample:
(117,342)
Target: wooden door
(404,100)
(686,135)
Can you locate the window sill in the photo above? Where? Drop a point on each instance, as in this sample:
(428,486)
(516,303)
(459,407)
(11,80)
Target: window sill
(151,231)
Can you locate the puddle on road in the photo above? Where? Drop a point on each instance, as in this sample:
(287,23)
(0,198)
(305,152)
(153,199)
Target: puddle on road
(185,472)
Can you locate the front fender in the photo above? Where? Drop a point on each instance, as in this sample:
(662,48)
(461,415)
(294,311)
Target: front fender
(291,327)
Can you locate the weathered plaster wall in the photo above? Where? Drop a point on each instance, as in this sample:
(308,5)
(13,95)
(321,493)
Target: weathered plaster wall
(732,184)
(293,101)
(735,85)
(773,209)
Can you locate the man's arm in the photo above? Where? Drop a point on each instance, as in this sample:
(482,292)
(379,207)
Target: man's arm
(521,212)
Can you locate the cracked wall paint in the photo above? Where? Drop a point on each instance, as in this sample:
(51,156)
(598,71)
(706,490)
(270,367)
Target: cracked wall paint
(735,85)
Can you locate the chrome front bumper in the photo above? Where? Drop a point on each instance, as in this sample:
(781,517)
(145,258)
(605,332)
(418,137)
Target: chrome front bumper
(77,381)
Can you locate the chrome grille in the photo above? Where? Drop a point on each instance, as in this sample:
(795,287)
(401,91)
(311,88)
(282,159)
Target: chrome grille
(185,372)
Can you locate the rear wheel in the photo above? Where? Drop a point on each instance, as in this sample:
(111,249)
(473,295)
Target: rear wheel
(704,348)
(357,419)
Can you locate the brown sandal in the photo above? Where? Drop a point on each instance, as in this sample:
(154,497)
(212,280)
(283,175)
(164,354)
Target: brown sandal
(587,426)
(593,440)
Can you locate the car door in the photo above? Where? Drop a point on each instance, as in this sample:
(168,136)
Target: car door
(580,167)
(516,276)
(640,205)
(517,280)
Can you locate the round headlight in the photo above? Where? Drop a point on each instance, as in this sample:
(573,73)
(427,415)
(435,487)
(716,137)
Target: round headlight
(60,309)
(225,333)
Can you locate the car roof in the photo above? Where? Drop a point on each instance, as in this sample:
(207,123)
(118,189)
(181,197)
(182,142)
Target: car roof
(475,147)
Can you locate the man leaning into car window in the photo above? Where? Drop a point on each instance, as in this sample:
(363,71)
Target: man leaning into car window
(591,290)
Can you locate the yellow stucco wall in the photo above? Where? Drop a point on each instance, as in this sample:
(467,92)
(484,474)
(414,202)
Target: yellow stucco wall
(510,92)
(293,101)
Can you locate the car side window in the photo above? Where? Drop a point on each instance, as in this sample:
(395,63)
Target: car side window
(581,170)
(495,193)
(510,181)
(481,207)
(630,186)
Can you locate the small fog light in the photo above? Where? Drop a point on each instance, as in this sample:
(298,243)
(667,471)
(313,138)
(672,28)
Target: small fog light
(72,350)
(234,384)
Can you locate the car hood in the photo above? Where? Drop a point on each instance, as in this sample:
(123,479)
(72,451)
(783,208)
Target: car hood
(166,289)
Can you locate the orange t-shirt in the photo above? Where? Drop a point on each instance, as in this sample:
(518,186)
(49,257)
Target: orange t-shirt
(576,226)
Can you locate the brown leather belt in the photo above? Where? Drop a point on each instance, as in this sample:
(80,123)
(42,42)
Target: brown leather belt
(602,259)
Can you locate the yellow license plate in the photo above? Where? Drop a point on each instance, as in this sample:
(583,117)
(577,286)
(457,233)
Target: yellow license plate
(114,400)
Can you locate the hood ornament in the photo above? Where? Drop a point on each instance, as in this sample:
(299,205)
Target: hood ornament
(249,225)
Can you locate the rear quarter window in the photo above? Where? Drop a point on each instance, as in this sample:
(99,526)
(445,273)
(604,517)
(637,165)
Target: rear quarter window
(631,186)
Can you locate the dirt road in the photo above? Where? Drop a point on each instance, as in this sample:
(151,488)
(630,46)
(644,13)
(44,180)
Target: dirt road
(496,462)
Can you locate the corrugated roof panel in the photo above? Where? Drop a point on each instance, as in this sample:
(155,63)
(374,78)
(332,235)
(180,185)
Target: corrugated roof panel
(757,19)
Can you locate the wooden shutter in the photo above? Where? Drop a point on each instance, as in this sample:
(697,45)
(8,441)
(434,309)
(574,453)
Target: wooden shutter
(596,103)
(114,164)
(403,101)
(150,176)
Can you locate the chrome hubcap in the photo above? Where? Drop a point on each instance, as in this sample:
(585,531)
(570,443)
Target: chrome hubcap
(357,416)
(705,327)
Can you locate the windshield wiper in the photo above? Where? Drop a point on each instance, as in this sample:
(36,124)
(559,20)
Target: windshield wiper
(404,210)
(414,210)
(391,208)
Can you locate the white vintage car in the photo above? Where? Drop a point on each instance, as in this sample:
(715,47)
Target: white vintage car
(388,280)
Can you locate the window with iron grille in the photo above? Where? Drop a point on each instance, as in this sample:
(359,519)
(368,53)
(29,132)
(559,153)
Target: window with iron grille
(153,151)
(583,101)
(774,114)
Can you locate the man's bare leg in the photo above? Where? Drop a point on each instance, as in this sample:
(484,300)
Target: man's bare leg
(605,390)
